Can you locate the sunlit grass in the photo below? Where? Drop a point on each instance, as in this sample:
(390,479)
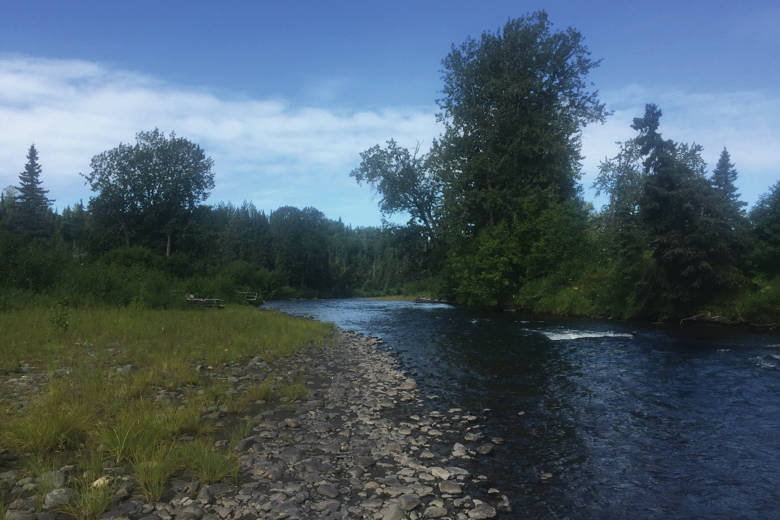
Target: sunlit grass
(92,499)
(152,467)
(128,385)
(209,463)
(293,390)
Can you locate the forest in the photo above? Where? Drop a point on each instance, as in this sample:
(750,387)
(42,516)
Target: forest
(497,216)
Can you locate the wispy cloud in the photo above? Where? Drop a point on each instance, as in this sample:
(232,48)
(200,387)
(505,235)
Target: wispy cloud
(273,153)
(744,122)
(266,151)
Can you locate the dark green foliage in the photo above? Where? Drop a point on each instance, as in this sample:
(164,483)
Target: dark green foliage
(496,215)
(405,181)
(31,211)
(765,219)
(723,178)
(513,108)
(674,241)
(151,187)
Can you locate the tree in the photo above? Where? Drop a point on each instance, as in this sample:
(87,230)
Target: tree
(723,178)
(514,104)
(695,250)
(765,219)
(32,205)
(404,180)
(150,187)
(513,107)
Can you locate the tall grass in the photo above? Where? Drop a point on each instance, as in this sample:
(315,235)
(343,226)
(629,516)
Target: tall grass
(124,385)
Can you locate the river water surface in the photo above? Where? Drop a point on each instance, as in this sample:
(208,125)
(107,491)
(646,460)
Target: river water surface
(629,422)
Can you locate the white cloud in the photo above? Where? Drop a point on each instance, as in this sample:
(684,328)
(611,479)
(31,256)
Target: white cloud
(744,122)
(273,153)
(264,150)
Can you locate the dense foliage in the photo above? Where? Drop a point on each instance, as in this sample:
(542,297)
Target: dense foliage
(496,216)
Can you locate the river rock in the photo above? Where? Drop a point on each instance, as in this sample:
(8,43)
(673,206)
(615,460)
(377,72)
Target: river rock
(439,473)
(481,512)
(391,512)
(485,449)
(328,490)
(408,501)
(450,488)
(434,512)
(409,384)
(459,450)
(58,497)
(14,514)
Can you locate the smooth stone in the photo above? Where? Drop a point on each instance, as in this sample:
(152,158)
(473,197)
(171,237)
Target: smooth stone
(392,512)
(328,490)
(12,514)
(408,501)
(439,473)
(485,449)
(481,512)
(409,384)
(434,512)
(450,488)
(459,450)
(58,497)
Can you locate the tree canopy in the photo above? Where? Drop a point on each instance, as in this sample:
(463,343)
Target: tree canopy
(154,184)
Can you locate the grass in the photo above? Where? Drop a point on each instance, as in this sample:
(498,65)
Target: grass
(209,463)
(92,499)
(152,467)
(295,389)
(126,385)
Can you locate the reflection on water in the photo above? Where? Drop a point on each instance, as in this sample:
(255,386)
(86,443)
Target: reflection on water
(628,422)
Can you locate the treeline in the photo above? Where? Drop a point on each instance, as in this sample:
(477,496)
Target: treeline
(124,248)
(498,199)
(496,213)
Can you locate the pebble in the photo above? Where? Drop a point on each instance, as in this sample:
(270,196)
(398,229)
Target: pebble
(357,446)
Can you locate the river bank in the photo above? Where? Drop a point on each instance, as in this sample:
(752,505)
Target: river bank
(358,440)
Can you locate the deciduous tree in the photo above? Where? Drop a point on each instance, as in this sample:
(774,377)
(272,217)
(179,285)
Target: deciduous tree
(153,185)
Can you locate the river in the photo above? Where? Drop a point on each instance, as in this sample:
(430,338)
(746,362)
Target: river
(600,419)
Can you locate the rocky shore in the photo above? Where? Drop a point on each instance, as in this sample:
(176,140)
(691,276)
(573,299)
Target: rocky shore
(364,443)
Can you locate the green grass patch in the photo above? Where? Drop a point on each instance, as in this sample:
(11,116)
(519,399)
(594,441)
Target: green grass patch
(92,499)
(153,467)
(293,390)
(130,384)
(209,463)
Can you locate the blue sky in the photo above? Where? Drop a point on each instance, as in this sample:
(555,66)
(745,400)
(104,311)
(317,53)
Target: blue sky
(286,96)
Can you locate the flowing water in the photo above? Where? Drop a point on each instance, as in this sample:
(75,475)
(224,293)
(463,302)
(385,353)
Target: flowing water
(629,422)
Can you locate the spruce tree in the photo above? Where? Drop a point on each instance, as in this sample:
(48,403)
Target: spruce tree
(723,177)
(32,205)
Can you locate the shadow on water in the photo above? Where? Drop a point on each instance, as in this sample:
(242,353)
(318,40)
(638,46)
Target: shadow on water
(627,422)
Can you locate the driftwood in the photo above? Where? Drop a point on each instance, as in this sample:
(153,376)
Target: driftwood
(710,319)
(706,318)
(251,297)
(205,302)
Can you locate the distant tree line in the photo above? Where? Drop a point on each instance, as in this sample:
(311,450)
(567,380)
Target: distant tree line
(496,213)
(146,238)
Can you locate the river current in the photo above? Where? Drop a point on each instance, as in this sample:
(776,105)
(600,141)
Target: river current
(600,419)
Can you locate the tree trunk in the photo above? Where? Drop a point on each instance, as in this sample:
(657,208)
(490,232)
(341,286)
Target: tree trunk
(168,245)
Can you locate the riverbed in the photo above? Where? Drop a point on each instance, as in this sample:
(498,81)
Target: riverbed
(600,419)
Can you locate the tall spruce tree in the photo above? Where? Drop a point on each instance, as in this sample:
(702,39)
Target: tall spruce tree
(696,251)
(32,205)
(723,178)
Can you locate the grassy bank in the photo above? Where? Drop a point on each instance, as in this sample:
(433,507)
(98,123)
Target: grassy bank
(141,394)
